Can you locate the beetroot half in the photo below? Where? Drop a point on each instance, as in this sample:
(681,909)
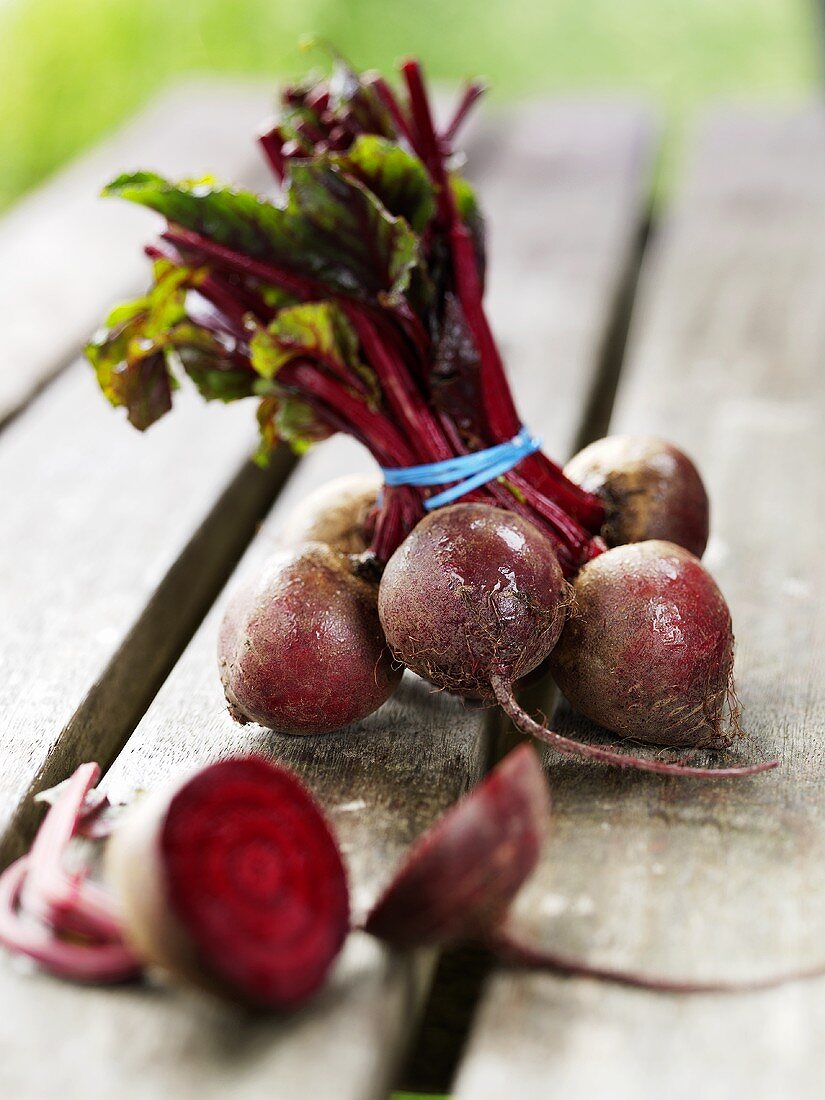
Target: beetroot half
(233,880)
(457,882)
(301,649)
(650,490)
(474,599)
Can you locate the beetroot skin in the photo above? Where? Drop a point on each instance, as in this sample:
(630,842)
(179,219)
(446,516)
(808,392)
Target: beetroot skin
(648,649)
(301,649)
(472,593)
(650,489)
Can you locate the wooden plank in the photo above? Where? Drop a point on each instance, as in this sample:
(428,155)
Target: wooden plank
(112,544)
(66,255)
(679,878)
(386,779)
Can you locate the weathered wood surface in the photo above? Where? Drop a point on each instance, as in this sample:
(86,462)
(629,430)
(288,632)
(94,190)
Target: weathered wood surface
(66,255)
(389,777)
(112,544)
(676,877)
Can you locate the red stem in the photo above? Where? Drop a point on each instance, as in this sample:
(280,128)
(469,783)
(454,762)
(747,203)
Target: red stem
(472,93)
(402,123)
(384,440)
(244,265)
(415,416)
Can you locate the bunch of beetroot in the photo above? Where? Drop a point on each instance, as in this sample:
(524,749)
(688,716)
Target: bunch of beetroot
(231,880)
(351,300)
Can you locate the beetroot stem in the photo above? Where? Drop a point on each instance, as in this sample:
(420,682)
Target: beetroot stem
(244,265)
(531,728)
(104,962)
(514,951)
(472,93)
(49,893)
(385,441)
(415,416)
(41,903)
(402,123)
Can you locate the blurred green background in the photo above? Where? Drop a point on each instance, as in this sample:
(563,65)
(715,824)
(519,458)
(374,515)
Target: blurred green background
(72,69)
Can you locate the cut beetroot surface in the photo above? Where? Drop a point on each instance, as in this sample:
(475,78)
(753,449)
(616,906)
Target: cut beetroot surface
(458,880)
(255,876)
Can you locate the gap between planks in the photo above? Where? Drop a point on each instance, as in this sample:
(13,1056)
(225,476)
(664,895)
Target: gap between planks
(586,171)
(449,1014)
(669,876)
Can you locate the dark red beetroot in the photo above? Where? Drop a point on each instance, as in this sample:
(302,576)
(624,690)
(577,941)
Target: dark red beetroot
(233,880)
(648,651)
(458,880)
(301,649)
(473,599)
(473,591)
(650,489)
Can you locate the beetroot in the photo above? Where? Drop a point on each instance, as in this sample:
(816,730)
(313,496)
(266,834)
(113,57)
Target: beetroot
(650,489)
(474,599)
(472,592)
(337,514)
(458,880)
(233,880)
(301,648)
(648,652)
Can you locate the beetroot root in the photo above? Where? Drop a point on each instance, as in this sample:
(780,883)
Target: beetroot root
(648,651)
(233,881)
(301,649)
(473,599)
(336,514)
(473,591)
(650,489)
(458,880)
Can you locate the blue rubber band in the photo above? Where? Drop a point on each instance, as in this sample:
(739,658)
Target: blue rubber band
(468,471)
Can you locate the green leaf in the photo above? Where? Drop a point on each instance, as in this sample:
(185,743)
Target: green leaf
(135,354)
(312,330)
(397,177)
(332,228)
(275,297)
(209,363)
(291,419)
(128,354)
(352,241)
